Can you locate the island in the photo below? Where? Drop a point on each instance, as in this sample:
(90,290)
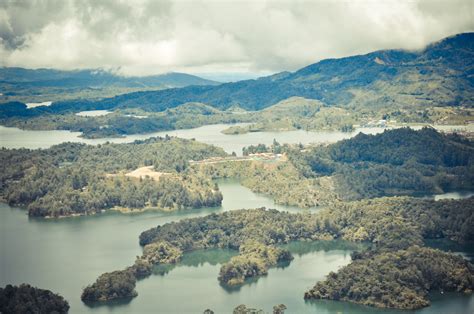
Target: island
(27,299)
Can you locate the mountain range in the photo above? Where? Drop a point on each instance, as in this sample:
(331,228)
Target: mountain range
(442,74)
(92,79)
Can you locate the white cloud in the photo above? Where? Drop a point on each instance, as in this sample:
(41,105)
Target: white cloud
(147,37)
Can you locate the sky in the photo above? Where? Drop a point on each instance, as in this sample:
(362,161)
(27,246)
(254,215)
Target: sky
(145,37)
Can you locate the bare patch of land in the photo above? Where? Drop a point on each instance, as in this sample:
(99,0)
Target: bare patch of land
(271,157)
(144,172)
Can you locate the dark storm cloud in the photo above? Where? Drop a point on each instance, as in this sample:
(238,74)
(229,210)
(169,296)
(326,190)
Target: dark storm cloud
(148,36)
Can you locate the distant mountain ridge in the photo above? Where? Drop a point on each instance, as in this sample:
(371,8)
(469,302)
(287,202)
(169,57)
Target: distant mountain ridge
(442,74)
(94,79)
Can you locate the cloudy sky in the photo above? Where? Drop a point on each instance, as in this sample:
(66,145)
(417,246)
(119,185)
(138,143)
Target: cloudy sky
(153,36)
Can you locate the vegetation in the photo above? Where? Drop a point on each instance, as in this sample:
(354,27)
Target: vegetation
(18,84)
(395,162)
(382,221)
(244,309)
(110,286)
(297,113)
(161,253)
(119,122)
(27,299)
(280,180)
(72,178)
(291,114)
(394,225)
(398,273)
(253,260)
(335,94)
(399,279)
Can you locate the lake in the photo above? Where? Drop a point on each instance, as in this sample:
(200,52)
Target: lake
(66,255)
(210,134)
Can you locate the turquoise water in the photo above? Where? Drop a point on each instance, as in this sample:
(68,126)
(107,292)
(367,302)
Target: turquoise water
(66,255)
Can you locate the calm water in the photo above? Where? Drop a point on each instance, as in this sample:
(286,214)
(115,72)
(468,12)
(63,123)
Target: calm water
(65,256)
(93,113)
(210,134)
(68,254)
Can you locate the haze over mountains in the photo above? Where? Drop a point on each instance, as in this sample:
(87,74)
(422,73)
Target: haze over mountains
(440,75)
(11,77)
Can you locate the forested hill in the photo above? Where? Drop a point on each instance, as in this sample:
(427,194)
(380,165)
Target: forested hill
(395,162)
(396,147)
(78,179)
(439,75)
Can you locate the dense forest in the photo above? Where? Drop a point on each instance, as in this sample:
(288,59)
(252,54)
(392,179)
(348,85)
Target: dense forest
(365,166)
(395,162)
(253,260)
(27,299)
(74,178)
(109,286)
(78,179)
(392,224)
(397,279)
